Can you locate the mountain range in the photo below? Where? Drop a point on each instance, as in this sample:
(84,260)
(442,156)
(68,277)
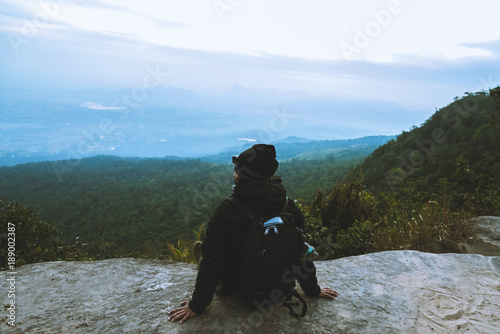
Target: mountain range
(171,121)
(141,202)
(306,149)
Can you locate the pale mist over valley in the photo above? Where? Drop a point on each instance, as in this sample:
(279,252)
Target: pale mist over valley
(162,79)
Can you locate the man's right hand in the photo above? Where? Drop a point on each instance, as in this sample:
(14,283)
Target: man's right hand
(183,313)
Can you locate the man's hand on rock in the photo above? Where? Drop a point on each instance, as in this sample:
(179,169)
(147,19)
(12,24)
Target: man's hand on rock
(326,292)
(183,313)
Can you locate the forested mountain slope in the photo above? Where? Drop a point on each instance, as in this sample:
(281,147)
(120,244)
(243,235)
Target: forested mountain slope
(299,148)
(130,206)
(465,132)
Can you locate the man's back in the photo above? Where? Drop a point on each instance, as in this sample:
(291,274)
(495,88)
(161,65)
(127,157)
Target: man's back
(226,236)
(256,186)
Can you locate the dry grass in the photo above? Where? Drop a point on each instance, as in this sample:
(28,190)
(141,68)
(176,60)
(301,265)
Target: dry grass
(182,250)
(417,229)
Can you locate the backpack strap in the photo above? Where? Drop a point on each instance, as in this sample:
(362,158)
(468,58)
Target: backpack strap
(288,304)
(237,203)
(245,208)
(258,220)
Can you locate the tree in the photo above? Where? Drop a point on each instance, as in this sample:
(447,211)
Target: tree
(29,238)
(347,202)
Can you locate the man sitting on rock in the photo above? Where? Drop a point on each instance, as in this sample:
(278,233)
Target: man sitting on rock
(256,185)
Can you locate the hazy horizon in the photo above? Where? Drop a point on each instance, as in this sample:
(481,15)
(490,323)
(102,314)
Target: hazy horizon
(160,78)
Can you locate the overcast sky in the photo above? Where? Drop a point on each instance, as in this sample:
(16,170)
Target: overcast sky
(418,54)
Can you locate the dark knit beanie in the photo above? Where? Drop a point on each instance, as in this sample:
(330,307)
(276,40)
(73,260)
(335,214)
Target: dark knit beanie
(257,163)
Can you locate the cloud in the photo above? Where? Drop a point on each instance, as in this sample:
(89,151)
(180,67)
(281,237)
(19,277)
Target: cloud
(247,139)
(93,106)
(99,44)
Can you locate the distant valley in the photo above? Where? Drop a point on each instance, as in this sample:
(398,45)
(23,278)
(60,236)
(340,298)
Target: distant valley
(131,206)
(178,122)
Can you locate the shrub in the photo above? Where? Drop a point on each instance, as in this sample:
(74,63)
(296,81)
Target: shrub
(182,250)
(347,202)
(36,240)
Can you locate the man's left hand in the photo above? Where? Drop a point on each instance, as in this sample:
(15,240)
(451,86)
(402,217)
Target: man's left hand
(183,313)
(326,292)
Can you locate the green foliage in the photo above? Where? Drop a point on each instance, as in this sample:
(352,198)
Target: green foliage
(314,229)
(199,233)
(352,221)
(468,127)
(303,178)
(347,202)
(35,240)
(314,150)
(433,224)
(475,194)
(75,252)
(131,207)
(495,94)
(355,240)
(182,250)
(411,193)
(121,207)
(339,224)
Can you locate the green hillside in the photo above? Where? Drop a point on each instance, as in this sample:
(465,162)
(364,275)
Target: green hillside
(465,132)
(419,190)
(130,206)
(311,150)
(409,193)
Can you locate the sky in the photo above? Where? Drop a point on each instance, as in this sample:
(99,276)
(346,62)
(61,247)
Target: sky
(248,60)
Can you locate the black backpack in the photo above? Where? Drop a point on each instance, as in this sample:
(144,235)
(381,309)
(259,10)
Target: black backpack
(272,248)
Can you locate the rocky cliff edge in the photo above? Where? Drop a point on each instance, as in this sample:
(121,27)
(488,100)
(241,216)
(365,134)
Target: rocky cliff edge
(387,292)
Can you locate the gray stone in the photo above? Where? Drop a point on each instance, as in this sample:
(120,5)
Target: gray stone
(387,292)
(485,239)
(487,236)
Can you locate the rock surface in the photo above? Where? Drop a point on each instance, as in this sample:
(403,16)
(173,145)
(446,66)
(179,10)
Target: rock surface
(487,231)
(387,292)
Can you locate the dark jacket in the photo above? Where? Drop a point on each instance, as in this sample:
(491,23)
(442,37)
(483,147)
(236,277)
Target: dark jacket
(225,237)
